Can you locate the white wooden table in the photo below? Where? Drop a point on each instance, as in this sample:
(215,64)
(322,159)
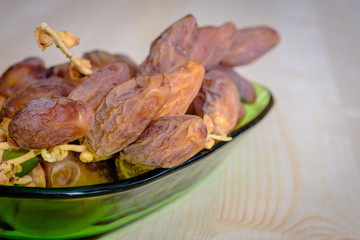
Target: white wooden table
(297,174)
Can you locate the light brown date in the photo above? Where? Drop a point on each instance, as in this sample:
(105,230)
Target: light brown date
(246,89)
(44,88)
(71,172)
(100,59)
(212,43)
(48,122)
(185,80)
(21,74)
(167,141)
(93,90)
(171,46)
(220,100)
(125,112)
(250,44)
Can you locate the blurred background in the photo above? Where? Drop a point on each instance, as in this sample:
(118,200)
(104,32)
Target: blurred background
(293,177)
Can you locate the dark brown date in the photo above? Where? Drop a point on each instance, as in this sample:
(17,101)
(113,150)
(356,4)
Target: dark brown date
(212,43)
(220,100)
(55,80)
(246,89)
(44,88)
(185,80)
(20,75)
(71,172)
(2,101)
(171,46)
(167,141)
(100,59)
(63,71)
(125,112)
(93,90)
(250,44)
(48,122)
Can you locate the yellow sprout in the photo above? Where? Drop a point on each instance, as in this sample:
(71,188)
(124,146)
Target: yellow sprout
(23,180)
(86,157)
(42,38)
(74,72)
(209,143)
(68,39)
(54,155)
(63,41)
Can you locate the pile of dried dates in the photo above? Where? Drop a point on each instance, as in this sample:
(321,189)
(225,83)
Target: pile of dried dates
(102,117)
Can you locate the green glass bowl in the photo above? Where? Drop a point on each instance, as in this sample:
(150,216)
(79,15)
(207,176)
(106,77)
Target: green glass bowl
(64,213)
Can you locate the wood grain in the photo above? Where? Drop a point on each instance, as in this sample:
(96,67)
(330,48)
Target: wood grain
(296,175)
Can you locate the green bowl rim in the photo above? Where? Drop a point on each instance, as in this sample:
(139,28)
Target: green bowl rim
(127,184)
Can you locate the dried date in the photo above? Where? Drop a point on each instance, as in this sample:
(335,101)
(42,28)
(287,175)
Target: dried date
(212,43)
(167,142)
(2,101)
(250,44)
(246,89)
(220,100)
(45,88)
(55,80)
(63,71)
(21,74)
(125,112)
(48,122)
(171,46)
(185,79)
(93,90)
(100,59)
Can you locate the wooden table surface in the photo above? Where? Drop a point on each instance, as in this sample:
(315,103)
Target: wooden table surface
(297,174)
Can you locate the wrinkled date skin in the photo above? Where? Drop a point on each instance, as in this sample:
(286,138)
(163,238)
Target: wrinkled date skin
(71,172)
(220,100)
(185,79)
(212,43)
(250,44)
(45,88)
(21,74)
(100,59)
(245,88)
(93,90)
(125,112)
(171,46)
(167,141)
(48,122)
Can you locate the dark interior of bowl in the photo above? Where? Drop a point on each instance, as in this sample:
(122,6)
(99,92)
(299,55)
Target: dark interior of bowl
(255,112)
